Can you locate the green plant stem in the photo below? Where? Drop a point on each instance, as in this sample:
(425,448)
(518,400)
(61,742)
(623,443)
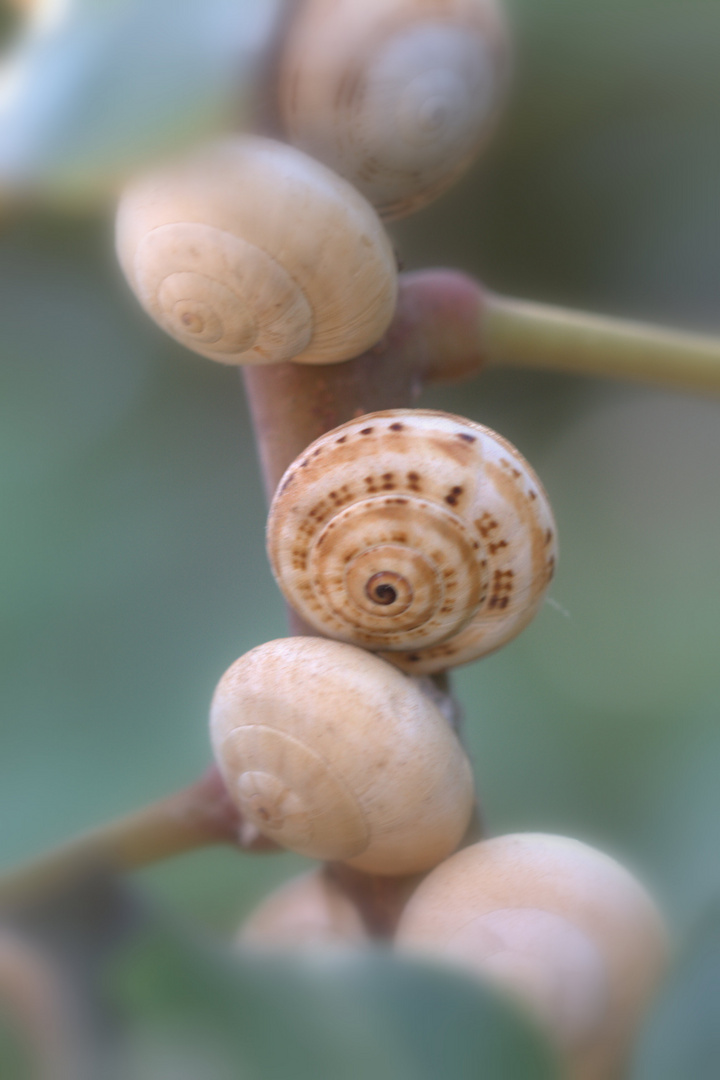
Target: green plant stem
(196,816)
(519,333)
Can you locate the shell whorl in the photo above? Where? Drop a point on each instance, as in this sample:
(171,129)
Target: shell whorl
(416,534)
(336,755)
(395,95)
(250,252)
(562,925)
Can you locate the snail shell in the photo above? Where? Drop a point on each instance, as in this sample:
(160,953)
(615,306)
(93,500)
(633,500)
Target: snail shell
(250,252)
(561,925)
(396,95)
(39,1009)
(416,534)
(307,911)
(335,754)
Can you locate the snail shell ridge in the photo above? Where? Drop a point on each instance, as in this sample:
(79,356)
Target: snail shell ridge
(395,95)
(338,756)
(416,534)
(250,252)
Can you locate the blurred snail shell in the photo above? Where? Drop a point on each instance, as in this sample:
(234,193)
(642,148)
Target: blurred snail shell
(395,95)
(560,925)
(335,754)
(251,252)
(307,911)
(39,1008)
(413,533)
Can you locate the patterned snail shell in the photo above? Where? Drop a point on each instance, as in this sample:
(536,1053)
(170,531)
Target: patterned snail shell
(416,534)
(250,252)
(396,95)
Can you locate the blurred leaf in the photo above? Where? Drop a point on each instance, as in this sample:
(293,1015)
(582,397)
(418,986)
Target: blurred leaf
(345,1016)
(94,87)
(13,1058)
(170,1004)
(683,1036)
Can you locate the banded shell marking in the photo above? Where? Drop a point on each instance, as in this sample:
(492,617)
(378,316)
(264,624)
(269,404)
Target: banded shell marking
(416,534)
(396,95)
(251,252)
(337,755)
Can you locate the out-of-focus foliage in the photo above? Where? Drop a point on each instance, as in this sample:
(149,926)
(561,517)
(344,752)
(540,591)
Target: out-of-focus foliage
(683,1036)
(159,1001)
(14,1060)
(132,570)
(91,88)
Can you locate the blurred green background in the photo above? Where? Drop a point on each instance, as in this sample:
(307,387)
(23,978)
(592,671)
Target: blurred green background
(132,568)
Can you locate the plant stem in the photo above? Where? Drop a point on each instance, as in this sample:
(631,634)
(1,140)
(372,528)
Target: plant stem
(445,329)
(515,332)
(433,336)
(197,816)
(294,404)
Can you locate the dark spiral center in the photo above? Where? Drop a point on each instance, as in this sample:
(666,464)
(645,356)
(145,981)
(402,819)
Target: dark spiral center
(380,592)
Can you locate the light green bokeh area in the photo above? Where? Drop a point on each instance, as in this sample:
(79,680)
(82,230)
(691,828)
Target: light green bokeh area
(132,569)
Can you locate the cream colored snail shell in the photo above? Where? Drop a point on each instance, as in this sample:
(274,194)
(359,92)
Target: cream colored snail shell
(251,252)
(562,926)
(396,95)
(416,534)
(335,754)
(306,912)
(36,1007)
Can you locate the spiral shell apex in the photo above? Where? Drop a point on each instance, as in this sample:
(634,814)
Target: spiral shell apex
(395,95)
(415,534)
(250,252)
(335,754)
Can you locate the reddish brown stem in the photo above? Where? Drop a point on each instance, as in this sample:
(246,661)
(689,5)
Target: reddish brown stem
(433,336)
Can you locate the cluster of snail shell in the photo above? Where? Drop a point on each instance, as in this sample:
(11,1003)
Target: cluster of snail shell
(390,535)
(555,925)
(250,250)
(412,540)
